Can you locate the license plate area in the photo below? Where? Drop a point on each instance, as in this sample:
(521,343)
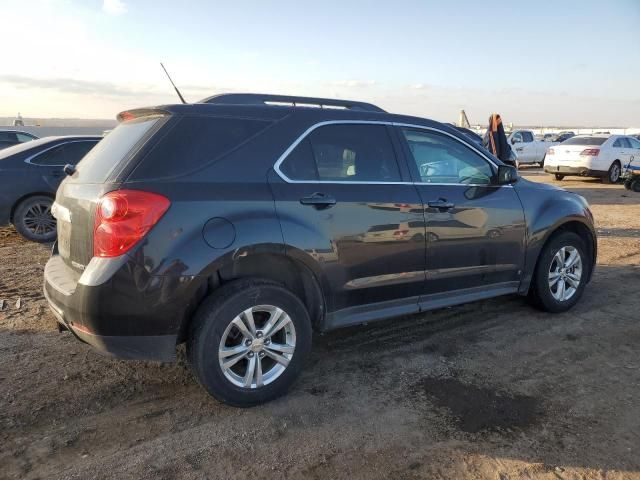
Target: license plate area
(64,238)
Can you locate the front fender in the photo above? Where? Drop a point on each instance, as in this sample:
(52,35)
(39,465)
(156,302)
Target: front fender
(547,210)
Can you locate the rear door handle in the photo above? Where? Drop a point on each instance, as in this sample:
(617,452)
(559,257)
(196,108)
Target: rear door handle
(318,200)
(441,204)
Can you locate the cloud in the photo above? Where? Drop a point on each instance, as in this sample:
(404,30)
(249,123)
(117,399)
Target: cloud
(114,7)
(353,83)
(97,88)
(69,85)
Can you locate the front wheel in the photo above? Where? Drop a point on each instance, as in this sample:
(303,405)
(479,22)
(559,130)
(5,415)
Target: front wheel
(561,273)
(559,176)
(248,342)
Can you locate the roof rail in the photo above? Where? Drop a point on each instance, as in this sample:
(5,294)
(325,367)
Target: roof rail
(288,100)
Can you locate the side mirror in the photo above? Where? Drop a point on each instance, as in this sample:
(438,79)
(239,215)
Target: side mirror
(507,175)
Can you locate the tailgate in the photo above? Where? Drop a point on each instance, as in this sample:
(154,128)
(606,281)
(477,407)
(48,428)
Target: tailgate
(74,210)
(79,194)
(568,153)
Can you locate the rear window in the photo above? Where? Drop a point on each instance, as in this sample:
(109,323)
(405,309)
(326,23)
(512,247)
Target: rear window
(101,160)
(194,142)
(585,141)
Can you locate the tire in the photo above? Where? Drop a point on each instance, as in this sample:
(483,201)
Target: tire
(559,177)
(33,220)
(613,175)
(627,184)
(214,329)
(548,296)
(635,186)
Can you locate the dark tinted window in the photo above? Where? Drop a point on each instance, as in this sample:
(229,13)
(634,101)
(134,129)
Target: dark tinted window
(634,143)
(62,154)
(53,156)
(442,159)
(194,142)
(73,152)
(23,137)
(300,164)
(8,137)
(585,141)
(112,149)
(527,137)
(346,152)
(625,143)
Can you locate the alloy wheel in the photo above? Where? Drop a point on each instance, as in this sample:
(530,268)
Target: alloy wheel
(257,346)
(565,273)
(38,219)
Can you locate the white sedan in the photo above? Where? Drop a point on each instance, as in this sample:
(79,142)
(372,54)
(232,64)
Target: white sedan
(603,156)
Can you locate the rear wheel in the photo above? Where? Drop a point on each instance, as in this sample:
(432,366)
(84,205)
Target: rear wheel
(248,342)
(613,175)
(561,273)
(33,220)
(559,176)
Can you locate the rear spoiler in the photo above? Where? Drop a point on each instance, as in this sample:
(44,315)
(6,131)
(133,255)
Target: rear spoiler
(141,112)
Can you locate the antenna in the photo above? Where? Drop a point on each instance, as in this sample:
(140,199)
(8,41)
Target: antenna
(174,85)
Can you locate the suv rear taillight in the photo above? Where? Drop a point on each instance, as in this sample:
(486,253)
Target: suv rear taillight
(590,152)
(123,217)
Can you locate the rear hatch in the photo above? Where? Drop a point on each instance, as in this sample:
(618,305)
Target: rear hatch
(97,173)
(570,150)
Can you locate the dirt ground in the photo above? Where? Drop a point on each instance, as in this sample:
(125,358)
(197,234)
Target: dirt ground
(492,390)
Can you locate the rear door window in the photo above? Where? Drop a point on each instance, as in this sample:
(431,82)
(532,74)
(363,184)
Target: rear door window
(194,142)
(344,152)
(53,156)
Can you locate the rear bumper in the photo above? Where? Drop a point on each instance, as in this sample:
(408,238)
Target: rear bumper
(581,171)
(118,308)
(152,347)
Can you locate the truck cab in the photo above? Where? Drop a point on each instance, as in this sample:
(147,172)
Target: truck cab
(528,149)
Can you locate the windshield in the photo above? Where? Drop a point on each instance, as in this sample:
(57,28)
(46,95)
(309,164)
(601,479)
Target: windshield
(96,166)
(585,141)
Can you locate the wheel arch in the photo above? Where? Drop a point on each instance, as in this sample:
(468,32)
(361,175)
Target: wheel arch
(575,225)
(277,267)
(21,199)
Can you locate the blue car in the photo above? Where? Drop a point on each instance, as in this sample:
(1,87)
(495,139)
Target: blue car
(29,177)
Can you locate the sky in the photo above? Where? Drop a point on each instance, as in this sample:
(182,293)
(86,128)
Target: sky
(536,63)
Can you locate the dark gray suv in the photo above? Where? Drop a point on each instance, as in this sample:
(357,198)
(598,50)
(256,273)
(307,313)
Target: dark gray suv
(243,223)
